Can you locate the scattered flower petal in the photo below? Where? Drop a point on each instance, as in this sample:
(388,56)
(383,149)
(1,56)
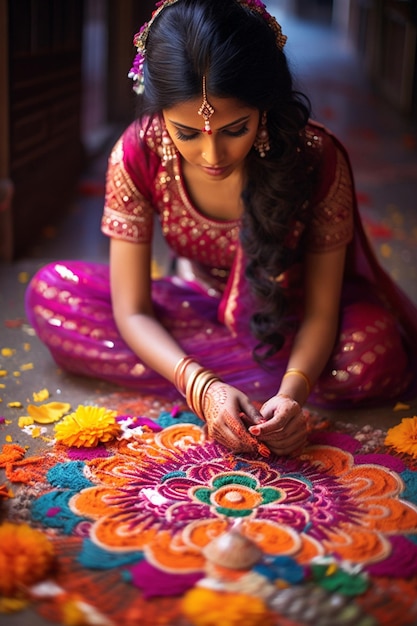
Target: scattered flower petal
(41,395)
(23,277)
(400,406)
(26,367)
(25,420)
(16,323)
(6,352)
(48,413)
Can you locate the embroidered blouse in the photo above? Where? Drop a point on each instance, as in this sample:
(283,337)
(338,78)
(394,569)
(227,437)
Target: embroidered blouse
(140,184)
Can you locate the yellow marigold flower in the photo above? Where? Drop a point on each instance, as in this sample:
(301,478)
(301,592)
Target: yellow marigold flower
(206,607)
(403,437)
(26,556)
(87,427)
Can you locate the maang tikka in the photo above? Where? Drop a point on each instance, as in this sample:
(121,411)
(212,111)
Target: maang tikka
(206,110)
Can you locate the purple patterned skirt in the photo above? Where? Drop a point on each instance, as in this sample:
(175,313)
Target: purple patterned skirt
(69,306)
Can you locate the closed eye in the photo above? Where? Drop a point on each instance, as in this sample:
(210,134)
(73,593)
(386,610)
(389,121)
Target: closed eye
(236,133)
(182,136)
(185,136)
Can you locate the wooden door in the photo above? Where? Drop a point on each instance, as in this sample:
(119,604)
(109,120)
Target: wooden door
(45,152)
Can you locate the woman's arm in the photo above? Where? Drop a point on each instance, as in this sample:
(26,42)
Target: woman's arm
(317,334)
(130,281)
(283,430)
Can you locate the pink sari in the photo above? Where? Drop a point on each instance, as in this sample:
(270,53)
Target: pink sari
(69,305)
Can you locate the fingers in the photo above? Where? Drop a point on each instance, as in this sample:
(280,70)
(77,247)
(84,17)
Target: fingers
(227,412)
(230,432)
(277,415)
(249,413)
(289,439)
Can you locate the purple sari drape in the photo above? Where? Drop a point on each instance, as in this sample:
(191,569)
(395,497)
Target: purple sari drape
(69,305)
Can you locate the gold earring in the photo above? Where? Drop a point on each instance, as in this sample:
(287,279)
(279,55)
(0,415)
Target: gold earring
(168,149)
(261,143)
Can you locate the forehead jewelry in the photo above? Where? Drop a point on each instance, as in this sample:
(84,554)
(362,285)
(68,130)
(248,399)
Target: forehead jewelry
(206,110)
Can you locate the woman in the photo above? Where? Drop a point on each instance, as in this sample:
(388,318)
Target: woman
(276,295)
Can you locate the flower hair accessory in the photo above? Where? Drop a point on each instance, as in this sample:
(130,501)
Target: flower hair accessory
(256,6)
(140,39)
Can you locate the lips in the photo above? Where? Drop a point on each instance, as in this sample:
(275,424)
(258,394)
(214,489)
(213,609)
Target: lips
(214,171)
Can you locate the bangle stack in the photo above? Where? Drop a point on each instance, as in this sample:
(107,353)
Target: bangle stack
(197,384)
(294,372)
(179,373)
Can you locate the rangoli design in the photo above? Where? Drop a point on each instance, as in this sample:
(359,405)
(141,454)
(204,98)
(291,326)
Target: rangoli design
(167,494)
(160,525)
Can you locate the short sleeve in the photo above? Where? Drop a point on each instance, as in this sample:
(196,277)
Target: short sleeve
(127,214)
(332,221)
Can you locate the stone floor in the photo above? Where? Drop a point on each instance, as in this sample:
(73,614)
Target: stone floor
(382,145)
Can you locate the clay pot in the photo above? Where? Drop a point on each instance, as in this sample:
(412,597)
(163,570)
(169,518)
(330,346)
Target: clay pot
(233,551)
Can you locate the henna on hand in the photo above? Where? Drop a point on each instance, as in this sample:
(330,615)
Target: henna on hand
(224,426)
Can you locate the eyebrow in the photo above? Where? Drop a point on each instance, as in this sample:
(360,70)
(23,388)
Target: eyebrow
(238,121)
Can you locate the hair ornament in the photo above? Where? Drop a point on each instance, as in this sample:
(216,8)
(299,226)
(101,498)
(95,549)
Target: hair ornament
(256,6)
(140,39)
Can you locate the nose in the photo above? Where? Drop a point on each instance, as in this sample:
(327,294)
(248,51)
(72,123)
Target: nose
(211,150)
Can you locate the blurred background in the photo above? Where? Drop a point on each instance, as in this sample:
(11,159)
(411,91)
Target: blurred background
(65,97)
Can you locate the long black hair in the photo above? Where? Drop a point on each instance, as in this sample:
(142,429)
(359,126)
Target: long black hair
(236,49)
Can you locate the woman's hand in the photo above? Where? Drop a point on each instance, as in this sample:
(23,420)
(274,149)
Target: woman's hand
(227,413)
(283,428)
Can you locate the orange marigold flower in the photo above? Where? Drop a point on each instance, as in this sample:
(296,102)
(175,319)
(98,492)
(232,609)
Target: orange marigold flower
(403,437)
(206,607)
(26,557)
(87,427)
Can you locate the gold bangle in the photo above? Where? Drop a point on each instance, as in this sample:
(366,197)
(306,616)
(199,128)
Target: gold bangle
(203,382)
(179,372)
(197,385)
(294,372)
(189,391)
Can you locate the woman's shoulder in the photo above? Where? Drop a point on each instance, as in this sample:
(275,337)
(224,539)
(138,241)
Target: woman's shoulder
(328,155)
(319,136)
(138,149)
(143,136)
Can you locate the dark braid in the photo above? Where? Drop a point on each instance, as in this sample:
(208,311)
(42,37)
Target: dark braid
(276,201)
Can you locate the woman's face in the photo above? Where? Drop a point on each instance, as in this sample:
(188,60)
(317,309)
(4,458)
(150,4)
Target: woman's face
(234,126)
